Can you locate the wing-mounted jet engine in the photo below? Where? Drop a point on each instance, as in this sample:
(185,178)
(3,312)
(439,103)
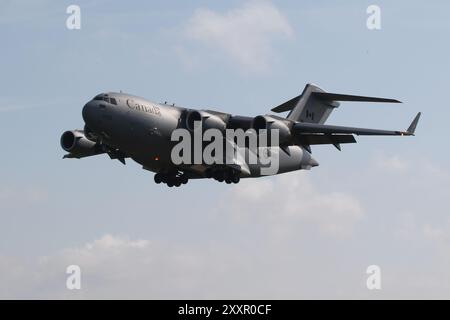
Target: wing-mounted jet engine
(207,119)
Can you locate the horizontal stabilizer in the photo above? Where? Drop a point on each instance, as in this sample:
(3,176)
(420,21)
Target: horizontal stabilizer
(325,96)
(315,105)
(287,106)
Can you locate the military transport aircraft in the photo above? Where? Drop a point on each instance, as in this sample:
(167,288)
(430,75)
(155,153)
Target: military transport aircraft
(126,126)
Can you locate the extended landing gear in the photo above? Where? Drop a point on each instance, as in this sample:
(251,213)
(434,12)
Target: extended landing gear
(229,175)
(176,179)
(171,180)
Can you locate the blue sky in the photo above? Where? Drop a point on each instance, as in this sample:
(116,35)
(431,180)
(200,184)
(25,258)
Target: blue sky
(311,234)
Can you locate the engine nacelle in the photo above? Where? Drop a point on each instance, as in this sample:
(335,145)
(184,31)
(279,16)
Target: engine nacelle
(209,120)
(78,146)
(269,123)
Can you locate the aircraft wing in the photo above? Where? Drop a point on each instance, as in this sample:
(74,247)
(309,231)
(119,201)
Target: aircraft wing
(314,128)
(306,139)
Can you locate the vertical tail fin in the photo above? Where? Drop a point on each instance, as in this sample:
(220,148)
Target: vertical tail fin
(307,107)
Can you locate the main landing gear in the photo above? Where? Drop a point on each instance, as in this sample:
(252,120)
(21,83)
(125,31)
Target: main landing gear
(229,175)
(221,174)
(171,179)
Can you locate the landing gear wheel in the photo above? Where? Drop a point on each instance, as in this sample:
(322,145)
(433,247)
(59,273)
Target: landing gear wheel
(171,178)
(227,175)
(219,176)
(158,178)
(208,173)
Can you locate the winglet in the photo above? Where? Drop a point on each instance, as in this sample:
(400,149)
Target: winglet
(412,127)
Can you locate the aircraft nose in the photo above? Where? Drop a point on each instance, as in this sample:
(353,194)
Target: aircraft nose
(88,112)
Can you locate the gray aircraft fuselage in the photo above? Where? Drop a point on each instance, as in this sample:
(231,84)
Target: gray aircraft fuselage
(142,129)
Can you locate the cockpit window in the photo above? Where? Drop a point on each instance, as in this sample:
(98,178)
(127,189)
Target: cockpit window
(104,97)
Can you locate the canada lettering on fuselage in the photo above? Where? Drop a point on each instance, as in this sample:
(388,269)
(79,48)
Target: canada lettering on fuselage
(144,108)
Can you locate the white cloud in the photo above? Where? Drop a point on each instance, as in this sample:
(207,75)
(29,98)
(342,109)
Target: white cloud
(116,267)
(119,267)
(108,241)
(439,233)
(245,34)
(111,267)
(290,201)
(274,237)
(392,162)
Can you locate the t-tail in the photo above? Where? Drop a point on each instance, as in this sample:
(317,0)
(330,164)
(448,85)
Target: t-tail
(315,105)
